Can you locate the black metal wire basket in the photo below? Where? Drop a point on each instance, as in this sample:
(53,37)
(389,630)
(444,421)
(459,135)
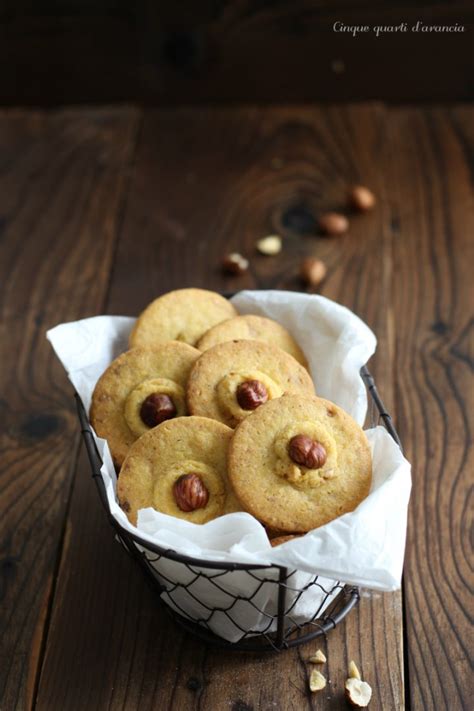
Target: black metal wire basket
(179,578)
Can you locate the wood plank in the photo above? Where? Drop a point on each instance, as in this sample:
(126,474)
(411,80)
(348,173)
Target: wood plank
(431,175)
(61,187)
(206,182)
(231,51)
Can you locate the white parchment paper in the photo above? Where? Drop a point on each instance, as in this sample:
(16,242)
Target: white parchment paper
(365,547)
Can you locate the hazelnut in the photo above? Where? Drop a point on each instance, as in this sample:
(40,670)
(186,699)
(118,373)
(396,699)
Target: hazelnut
(156,408)
(333,224)
(270,245)
(318,658)
(358,693)
(251,394)
(316,680)
(354,673)
(234,263)
(190,493)
(312,271)
(361,198)
(307,452)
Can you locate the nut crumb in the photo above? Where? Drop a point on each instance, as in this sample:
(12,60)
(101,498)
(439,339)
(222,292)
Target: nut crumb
(316,680)
(318,658)
(354,673)
(234,263)
(270,245)
(358,693)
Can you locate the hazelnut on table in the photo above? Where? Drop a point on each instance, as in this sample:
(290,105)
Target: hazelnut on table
(333,224)
(361,198)
(312,271)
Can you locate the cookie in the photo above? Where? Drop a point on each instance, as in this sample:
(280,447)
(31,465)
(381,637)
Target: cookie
(182,315)
(256,328)
(299,462)
(140,389)
(232,379)
(179,468)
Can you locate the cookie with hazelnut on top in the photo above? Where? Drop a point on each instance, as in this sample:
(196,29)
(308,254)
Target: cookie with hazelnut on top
(299,462)
(232,379)
(179,468)
(140,389)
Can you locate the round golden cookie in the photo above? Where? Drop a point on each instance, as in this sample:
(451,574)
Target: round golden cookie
(230,380)
(256,328)
(299,462)
(181,315)
(179,468)
(131,379)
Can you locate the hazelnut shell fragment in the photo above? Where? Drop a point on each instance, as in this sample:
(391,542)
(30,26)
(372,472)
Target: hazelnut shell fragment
(307,452)
(333,224)
(190,492)
(251,394)
(361,198)
(157,408)
(358,693)
(235,264)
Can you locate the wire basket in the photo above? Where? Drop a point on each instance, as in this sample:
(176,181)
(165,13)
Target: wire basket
(179,578)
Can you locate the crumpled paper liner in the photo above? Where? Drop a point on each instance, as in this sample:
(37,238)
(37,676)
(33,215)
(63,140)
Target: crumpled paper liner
(364,547)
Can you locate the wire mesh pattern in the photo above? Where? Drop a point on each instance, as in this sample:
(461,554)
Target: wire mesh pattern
(237,605)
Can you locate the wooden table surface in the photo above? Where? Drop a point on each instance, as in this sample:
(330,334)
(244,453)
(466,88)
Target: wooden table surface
(102,209)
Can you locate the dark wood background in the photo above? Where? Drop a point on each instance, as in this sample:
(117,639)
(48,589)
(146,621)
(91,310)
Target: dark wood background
(101,210)
(55,52)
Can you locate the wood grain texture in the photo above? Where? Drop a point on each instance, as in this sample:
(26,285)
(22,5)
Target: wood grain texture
(228,51)
(206,182)
(61,187)
(433,300)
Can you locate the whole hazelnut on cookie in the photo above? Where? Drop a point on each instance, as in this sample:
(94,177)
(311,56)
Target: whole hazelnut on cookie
(157,408)
(251,394)
(307,452)
(190,492)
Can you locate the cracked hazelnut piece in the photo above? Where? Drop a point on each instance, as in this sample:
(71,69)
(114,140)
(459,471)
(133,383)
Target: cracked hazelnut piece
(157,408)
(316,680)
(235,264)
(318,658)
(251,394)
(190,493)
(354,673)
(358,693)
(361,198)
(270,245)
(307,452)
(333,224)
